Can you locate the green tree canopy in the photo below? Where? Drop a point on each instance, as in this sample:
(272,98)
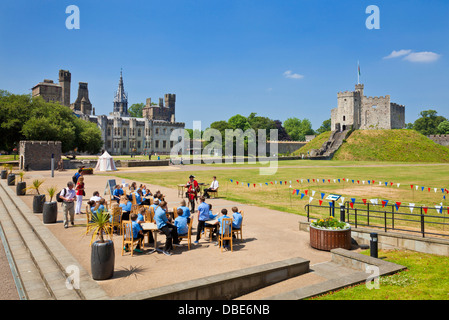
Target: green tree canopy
(136,110)
(326,126)
(428,123)
(25,118)
(298,129)
(443,127)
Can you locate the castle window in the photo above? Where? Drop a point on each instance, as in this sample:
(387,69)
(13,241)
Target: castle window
(165,131)
(109,132)
(124,144)
(171,144)
(124,132)
(164,144)
(157,144)
(139,133)
(344,118)
(138,145)
(157,130)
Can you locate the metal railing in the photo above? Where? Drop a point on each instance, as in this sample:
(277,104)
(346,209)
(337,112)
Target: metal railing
(425,221)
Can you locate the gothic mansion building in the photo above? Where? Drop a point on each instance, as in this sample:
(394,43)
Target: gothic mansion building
(121,133)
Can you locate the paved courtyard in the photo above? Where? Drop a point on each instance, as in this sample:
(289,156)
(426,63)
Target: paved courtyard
(268,236)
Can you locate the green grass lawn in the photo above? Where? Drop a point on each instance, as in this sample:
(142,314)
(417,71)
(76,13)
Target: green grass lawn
(424,279)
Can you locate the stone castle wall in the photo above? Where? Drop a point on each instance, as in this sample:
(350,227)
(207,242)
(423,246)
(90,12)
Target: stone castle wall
(442,139)
(36,155)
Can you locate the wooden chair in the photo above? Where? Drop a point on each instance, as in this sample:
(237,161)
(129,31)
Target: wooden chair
(134,201)
(188,236)
(128,237)
(209,228)
(116,220)
(88,216)
(226,225)
(239,231)
(151,215)
(214,193)
(175,213)
(135,209)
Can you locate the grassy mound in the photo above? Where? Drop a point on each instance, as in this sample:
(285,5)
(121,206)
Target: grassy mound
(391,145)
(314,144)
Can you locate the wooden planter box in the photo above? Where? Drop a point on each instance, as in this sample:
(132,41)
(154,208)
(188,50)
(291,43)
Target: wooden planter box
(330,239)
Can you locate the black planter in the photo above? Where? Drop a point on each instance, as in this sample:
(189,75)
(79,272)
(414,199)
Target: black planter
(11,179)
(20,188)
(102,260)
(4,174)
(38,203)
(50,212)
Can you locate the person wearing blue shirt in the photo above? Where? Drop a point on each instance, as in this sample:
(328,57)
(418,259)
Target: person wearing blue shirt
(212,217)
(137,231)
(126,206)
(221,229)
(181,223)
(185,210)
(236,218)
(118,192)
(203,216)
(140,220)
(167,228)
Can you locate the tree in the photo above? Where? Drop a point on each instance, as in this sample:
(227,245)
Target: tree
(136,110)
(326,126)
(298,129)
(25,118)
(443,127)
(428,123)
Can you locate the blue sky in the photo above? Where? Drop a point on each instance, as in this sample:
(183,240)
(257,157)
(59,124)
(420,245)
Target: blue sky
(279,59)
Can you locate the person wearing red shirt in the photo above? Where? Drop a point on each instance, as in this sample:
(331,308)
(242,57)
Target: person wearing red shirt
(192,192)
(79,194)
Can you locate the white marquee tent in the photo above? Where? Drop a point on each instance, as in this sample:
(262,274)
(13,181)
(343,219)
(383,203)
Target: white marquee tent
(105,163)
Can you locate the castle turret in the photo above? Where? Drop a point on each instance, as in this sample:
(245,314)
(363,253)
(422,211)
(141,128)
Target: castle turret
(65,79)
(121,99)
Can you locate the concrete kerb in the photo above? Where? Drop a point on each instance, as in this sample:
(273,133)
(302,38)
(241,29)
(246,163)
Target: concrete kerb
(226,286)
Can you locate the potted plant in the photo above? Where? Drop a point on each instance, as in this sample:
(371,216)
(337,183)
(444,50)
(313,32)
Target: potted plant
(21,185)
(102,258)
(50,209)
(327,234)
(4,172)
(11,178)
(39,199)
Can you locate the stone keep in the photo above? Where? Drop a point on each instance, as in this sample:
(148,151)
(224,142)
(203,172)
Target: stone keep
(36,155)
(356,111)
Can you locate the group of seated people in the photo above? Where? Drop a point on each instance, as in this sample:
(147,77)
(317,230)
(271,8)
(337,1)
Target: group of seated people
(172,228)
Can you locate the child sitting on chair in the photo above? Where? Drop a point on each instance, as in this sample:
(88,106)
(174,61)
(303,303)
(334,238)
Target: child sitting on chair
(222,230)
(137,231)
(181,223)
(140,220)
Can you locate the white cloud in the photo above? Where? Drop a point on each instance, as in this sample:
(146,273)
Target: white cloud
(290,75)
(422,57)
(396,54)
(409,55)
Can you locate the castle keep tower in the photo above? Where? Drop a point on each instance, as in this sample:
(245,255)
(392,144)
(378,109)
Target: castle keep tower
(357,111)
(161,112)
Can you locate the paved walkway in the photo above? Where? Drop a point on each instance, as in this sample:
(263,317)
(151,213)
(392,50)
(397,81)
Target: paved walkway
(269,236)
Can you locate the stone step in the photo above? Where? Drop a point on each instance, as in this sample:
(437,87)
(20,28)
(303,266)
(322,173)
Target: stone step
(51,260)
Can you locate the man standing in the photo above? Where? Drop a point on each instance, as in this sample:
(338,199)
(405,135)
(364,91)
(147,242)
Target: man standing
(213,187)
(192,192)
(68,206)
(203,216)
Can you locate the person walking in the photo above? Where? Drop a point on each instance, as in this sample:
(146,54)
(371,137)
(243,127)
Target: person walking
(68,197)
(79,194)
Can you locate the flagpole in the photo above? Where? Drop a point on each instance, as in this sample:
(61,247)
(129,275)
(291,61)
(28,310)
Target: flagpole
(358,72)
